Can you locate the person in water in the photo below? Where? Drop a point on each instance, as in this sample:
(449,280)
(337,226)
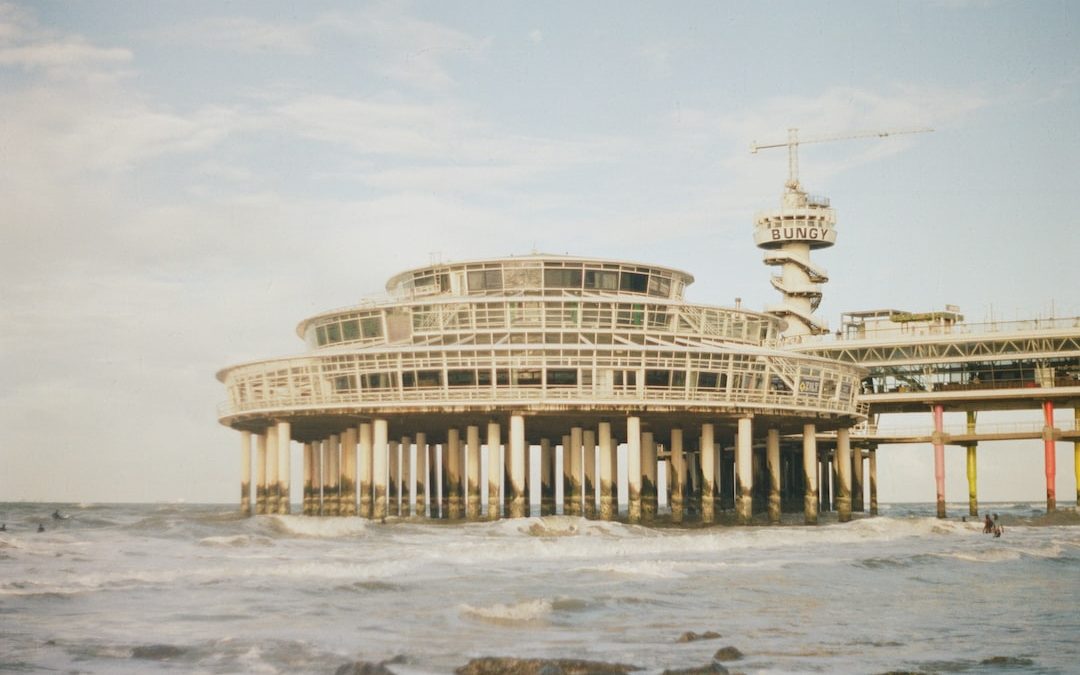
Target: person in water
(56,515)
(988,525)
(3,527)
(40,527)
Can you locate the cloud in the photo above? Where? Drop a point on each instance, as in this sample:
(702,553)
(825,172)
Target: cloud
(387,41)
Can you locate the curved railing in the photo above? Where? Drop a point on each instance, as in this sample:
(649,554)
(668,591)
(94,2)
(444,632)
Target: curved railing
(526,396)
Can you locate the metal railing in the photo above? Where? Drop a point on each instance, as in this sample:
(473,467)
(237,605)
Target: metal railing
(1034,428)
(487,394)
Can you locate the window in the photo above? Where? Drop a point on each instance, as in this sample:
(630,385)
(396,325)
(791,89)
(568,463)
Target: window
(562,278)
(635,282)
(706,380)
(428,378)
(461,378)
(485,280)
(659,286)
(350,330)
(657,378)
(371,327)
(604,281)
(562,376)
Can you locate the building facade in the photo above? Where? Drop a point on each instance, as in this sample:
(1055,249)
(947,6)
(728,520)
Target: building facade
(398,400)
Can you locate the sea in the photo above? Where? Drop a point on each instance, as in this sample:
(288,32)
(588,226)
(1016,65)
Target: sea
(187,588)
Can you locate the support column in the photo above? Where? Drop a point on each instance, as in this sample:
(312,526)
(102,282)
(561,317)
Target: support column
(744,479)
(772,463)
(633,468)
(366,473)
(332,488)
(309,479)
(843,470)
(972,471)
(434,486)
(494,443)
(564,444)
(708,473)
(245,473)
(939,458)
(810,474)
(608,506)
(393,487)
(547,478)
(873,479)
(317,478)
(856,479)
(452,467)
(260,473)
(348,472)
(419,474)
(649,495)
(472,472)
(406,477)
(284,467)
(1076,455)
(588,485)
(272,459)
(518,507)
(1050,456)
(379,462)
(572,502)
(677,471)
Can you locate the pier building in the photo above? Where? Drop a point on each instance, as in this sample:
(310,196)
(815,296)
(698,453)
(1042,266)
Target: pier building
(563,355)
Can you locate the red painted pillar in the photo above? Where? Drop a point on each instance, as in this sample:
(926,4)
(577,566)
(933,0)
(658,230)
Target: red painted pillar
(1049,455)
(939,458)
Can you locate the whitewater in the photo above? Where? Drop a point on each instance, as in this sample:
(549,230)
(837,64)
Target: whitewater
(199,588)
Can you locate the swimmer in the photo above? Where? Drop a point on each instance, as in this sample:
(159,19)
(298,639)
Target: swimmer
(40,527)
(3,527)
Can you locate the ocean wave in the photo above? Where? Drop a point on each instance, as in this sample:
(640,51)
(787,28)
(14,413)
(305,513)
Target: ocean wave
(307,526)
(655,569)
(236,541)
(527,611)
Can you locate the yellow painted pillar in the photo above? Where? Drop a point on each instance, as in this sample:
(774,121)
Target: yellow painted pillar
(973,494)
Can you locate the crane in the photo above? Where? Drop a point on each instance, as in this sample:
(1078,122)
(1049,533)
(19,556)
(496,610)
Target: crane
(793,144)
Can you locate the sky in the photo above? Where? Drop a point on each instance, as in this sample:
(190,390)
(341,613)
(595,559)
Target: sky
(182,182)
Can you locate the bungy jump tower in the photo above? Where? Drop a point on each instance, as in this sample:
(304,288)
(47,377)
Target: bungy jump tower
(399,400)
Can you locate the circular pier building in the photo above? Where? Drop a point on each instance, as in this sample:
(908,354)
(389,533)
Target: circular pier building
(405,403)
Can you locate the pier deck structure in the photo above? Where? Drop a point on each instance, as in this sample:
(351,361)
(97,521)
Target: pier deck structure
(934,362)
(560,354)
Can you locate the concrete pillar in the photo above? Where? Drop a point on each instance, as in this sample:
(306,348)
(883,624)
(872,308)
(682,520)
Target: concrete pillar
(472,472)
(547,478)
(843,469)
(494,444)
(939,458)
(572,501)
(518,507)
(588,483)
(380,459)
(316,478)
(1076,454)
(677,466)
(332,488)
(972,469)
(348,472)
(273,462)
(309,480)
(856,479)
(245,473)
(1050,456)
(633,464)
(260,473)
(365,473)
(419,473)
(708,473)
(393,485)
(452,466)
(649,495)
(810,474)
(564,446)
(609,508)
(744,480)
(406,476)
(772,462)
(823,483)
(434,484)
(873,479)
